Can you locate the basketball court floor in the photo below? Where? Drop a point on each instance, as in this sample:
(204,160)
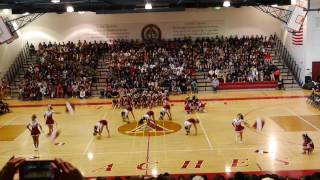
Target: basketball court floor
(132,151)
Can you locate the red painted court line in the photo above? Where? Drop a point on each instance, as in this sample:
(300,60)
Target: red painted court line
(174,101)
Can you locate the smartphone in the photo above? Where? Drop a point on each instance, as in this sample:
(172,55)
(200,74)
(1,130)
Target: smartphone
(41,169)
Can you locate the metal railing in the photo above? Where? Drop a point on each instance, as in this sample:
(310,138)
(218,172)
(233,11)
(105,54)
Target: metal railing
(17,65)
(287,59)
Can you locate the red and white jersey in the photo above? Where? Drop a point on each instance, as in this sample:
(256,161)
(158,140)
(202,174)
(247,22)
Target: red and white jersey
(146,116)
(34,126)
(238,124)
(187,107)
(48,114)
(192,120)
(129,108)
(150,113)
(100,124)
(166,106)
(189,122)
(201,104)
(103,122)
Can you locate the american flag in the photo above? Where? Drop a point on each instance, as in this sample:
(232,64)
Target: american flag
(297,37)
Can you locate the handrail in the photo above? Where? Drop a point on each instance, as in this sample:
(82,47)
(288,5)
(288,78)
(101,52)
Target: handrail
(17,64)
(287,59)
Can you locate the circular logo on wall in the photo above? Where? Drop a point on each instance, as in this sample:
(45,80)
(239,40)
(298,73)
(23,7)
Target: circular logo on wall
(151,32)
(150,128)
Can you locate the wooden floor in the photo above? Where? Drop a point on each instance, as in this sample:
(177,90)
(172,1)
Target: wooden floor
(213,150)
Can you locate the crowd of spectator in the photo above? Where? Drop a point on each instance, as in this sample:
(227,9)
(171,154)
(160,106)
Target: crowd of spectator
(155,66)
(67,70)
(62,70)
(140,99)
(234,59)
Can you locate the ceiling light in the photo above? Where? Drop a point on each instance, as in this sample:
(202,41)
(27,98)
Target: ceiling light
(6,11)
(26,13)
(55,1)
(81,12)
(293,2)
(226,4)
(148,6)
(274,5)
(70,9)
(217,8)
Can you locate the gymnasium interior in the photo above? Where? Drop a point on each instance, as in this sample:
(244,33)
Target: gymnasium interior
(160,89)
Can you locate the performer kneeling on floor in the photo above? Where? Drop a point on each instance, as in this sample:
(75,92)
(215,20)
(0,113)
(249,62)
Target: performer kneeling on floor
(307,145)
(239,125)
(98,128)
(189,123)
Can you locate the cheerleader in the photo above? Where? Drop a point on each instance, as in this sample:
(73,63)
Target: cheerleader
(125,114)
(189,123)
(238,124)
(49,119)
(201,106)
(307,145)
(165,110)
(98,128)
(34,127)
(150,114)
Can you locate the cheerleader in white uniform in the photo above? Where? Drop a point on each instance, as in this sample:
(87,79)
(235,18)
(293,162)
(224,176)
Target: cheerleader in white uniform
(34,127)
(239,125)
(49,119)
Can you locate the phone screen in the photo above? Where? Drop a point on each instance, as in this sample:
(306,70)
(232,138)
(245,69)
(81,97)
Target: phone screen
(36,170)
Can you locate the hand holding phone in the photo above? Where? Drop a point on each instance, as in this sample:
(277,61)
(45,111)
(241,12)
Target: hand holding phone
(41,169)
(11,167)
(66,170)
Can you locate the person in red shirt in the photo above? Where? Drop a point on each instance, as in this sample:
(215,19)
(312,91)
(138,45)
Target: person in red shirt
(98,128)
(189,123)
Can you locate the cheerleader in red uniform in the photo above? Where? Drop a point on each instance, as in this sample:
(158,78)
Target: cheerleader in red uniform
(98,128)
(125,114)
(238,124)
(151,115)
(189,123)
(165,110)
(307,145)
(34,127)
(201,106)
(49,119)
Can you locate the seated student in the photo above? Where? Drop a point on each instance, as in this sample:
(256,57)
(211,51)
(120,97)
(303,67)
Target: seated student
(4,107)
(215,84)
